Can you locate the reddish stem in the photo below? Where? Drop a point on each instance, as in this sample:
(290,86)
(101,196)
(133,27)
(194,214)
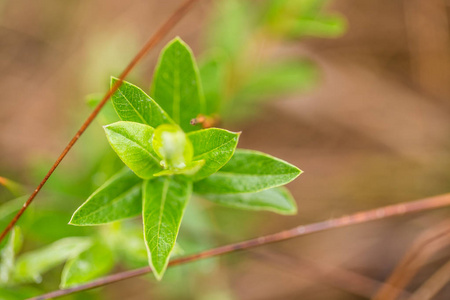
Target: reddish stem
(357,218)
(154,39)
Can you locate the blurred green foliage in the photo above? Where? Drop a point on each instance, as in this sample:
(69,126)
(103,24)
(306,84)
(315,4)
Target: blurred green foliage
(239,70)
(242,67)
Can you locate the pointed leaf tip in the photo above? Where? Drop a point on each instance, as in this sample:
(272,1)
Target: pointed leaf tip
(247,172)
(176,84)
(164,202)
(133,104)
(119,198)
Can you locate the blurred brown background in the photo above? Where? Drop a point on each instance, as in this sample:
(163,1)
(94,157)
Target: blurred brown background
(374,131)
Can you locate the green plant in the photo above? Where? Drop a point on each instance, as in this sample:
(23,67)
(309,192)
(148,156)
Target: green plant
(172,155)
(225,80)
(169,159)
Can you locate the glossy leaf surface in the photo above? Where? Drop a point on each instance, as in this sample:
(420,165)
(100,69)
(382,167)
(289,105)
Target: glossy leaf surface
(132,143)
(214,146)
(176,84)
(133,104)
(248,171)
(119,198)
(164,202)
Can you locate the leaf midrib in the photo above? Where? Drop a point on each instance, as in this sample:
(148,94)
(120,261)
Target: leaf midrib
(177,91)
(140,146)
(161,209)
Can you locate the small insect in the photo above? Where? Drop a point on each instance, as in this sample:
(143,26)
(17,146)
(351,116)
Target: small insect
(206,121)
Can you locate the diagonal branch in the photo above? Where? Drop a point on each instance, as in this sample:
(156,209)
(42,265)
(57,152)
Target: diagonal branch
(357,218)
(153,41)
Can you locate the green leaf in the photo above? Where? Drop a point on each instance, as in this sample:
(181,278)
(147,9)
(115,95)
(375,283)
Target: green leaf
(32,265)
(119,198)
(88,265)
(277,200)
(214,146)
(176,84)
(132,104)
(164,202)
(248,171)
(173,147)
(8,252)
(132,142)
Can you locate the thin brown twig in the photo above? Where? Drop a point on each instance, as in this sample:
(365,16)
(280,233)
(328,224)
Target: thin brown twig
(357,218)
(422,249)
(154,39)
